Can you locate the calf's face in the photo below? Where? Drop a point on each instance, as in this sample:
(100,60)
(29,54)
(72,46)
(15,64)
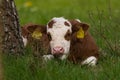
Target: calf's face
(59,32)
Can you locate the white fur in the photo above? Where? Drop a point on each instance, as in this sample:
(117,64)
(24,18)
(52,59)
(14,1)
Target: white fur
(47,57)
(63,57)
(78,20)
(90,61)
(50,57)
(24,40)
(58,31)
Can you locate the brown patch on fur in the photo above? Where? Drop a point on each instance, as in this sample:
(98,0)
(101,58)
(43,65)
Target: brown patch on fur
(50,24)
(66,23)
(68,35)
(80,50)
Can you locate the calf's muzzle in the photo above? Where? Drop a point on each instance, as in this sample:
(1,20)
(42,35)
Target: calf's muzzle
(58,51)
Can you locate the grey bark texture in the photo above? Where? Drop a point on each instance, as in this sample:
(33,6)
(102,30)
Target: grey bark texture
(10,31)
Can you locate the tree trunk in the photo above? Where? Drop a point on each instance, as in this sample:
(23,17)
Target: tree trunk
(10,34)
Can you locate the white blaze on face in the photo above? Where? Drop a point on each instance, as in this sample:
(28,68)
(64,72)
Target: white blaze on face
(57,31)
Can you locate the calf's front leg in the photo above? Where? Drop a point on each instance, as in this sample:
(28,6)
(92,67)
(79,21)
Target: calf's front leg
(90,61)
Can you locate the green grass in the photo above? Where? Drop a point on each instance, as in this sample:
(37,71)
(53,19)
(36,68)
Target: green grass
(31,68)
(95,12)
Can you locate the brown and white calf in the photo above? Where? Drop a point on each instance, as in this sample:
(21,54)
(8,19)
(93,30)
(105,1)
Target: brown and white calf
(70,39)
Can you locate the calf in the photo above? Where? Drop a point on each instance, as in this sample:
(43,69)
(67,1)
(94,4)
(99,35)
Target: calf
(35,36)
(70,39)
(83,47)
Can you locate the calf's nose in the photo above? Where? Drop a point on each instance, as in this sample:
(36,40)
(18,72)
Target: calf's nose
(58,50)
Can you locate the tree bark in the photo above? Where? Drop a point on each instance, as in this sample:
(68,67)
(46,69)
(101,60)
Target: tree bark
(10,32)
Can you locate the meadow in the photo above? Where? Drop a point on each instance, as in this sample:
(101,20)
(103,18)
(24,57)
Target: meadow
(103,17)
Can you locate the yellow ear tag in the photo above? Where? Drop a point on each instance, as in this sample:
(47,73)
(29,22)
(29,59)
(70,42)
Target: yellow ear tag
(80,33)
(37,34)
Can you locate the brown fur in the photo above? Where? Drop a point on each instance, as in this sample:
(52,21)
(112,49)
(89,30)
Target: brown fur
(67,24)
(50,24)
(81,49)
(28,29)
(39,46)
(68,35)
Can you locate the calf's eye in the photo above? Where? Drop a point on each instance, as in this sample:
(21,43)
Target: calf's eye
(49,37)
(68,35)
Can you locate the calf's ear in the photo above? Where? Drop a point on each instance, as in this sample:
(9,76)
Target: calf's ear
(35,30)
(79,28)
(84,26)
(31,27)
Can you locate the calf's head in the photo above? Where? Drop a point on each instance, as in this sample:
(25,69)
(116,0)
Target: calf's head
(60,31)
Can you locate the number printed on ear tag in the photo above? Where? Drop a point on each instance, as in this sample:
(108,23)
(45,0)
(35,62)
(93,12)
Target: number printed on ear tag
(80,33)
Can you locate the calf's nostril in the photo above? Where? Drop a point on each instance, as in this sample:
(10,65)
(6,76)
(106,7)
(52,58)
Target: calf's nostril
(58,50)
(61,49)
